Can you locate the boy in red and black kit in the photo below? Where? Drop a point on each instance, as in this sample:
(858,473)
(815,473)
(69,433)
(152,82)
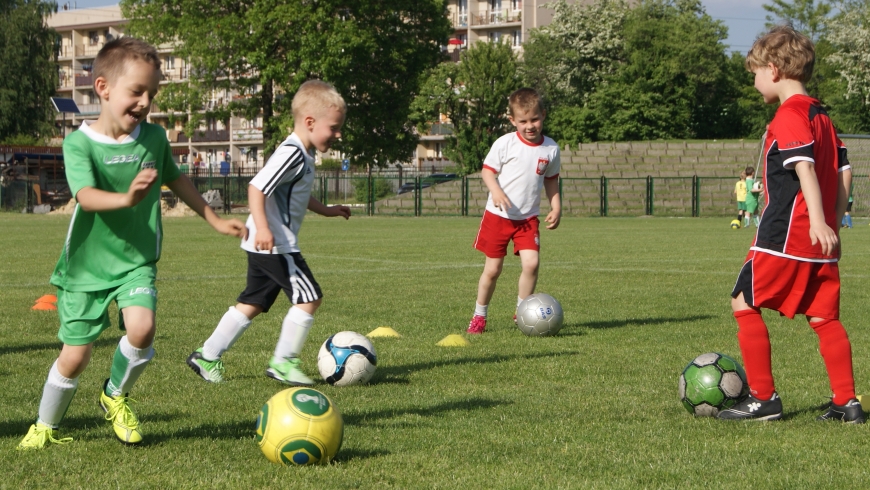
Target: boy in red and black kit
(792,264)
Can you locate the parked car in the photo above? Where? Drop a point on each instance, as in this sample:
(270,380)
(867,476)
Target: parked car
(409,187)
(440,178)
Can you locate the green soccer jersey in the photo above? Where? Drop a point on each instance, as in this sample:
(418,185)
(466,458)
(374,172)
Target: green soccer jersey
(751,197)
(106,249)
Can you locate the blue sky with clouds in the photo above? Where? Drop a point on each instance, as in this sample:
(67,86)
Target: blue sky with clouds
(744,18)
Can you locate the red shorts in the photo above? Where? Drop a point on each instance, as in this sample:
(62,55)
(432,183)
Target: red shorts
(495,233)
(790,286)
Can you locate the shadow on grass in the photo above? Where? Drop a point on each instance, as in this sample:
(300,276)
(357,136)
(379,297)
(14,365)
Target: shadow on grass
(347,455)
(397,374)
(238,429)
(18,428)
(15,349)
(381,417)
(643,321)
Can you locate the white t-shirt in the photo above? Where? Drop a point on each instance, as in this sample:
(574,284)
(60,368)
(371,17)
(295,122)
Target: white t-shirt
(521,168)
(286,180)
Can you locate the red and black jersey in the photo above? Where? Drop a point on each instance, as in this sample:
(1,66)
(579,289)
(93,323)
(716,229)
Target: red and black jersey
(800,130)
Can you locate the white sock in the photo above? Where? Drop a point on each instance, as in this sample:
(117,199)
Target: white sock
(56,396)
(129,362)
(519,300)
(294,331)
(480,310)
(232,325)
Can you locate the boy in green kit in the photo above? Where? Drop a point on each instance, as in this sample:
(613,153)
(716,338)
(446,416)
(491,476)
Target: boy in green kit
(115,167)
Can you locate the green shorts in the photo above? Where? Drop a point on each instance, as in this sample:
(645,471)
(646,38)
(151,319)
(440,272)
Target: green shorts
(84,315)
(751,206)
(741,205)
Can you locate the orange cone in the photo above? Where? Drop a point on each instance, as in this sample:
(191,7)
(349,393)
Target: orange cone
(44,306)
(47,298)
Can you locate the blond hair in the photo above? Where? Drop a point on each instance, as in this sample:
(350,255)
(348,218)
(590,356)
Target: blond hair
(525,99)
(314,97)
(111,61)
(791,52)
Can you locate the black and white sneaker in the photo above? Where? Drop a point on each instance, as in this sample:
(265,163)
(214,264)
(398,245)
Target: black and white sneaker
(751,408)
(850,413)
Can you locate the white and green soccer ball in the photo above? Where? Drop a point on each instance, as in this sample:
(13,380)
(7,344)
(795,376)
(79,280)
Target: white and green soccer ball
(347,358)
(540,315)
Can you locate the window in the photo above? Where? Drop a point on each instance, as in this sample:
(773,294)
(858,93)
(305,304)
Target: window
(494,37)
(169,64)
(93,38)
(516,5)
(517,38)
(464,39)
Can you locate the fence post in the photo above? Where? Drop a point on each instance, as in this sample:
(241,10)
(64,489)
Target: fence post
(695,203)
(227,193)
(649,195)
(464,203)
(418,197)
(371,196)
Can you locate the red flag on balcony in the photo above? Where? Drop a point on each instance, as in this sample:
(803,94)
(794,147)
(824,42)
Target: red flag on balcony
(455,41)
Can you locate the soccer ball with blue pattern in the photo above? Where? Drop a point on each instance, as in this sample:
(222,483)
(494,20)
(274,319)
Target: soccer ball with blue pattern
(347,358)
(540,315)
(711,382)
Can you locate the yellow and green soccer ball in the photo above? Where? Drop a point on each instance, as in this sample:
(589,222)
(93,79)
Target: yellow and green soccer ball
(299,426)
(735,224)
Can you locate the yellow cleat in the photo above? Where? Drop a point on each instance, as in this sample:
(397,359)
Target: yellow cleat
(124,421)
(39,437)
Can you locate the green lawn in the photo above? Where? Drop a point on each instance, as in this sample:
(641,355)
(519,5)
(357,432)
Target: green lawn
(594,407)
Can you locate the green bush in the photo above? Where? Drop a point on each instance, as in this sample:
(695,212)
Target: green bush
(360,188)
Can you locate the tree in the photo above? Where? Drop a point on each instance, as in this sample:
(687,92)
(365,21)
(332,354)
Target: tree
(804,15)
(259,51)
(27,64)
(674,81)
(850,34)
(473,95)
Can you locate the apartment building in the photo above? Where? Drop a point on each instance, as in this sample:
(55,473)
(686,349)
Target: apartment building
(82,32)
(81,35)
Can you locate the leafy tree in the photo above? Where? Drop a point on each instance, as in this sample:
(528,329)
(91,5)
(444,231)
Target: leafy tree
(673,82)
(260,51)
(806,16)
(27,64)
(850,35)
(567,59)
(473,95)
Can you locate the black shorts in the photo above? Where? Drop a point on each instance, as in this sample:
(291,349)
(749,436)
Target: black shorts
(849,207)
(268,274)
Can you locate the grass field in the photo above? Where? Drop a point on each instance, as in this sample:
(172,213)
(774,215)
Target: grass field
(595,407)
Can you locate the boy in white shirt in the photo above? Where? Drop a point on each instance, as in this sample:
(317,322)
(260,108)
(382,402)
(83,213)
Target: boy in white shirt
(517,166)
(279,196)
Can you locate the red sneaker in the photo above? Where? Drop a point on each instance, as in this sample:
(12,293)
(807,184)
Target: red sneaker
(477,325)
(515,320)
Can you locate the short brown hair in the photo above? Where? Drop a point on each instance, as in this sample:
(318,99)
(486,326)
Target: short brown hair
(313,97)
(791,52)
(112,59)
(749,171)
(525,99)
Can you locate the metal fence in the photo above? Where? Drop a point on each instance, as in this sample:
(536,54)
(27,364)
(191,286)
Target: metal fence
(392,193)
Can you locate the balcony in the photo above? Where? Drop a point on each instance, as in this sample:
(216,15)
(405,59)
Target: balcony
(65,51)
(84,80)
(460,20)
(89,50)
(248,135)
(89,109)
(496,17)
(176,74)
(206,136)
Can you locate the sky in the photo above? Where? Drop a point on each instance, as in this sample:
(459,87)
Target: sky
(745,19)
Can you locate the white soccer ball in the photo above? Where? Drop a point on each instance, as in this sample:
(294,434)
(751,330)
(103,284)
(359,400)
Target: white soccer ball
(347,358)
(540,315)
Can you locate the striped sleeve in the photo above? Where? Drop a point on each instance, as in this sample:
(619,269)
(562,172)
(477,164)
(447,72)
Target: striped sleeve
(842,157)
(287,161)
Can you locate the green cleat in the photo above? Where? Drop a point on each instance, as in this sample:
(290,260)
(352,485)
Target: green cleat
(287,371)
(39,437)
(124,421)
(212,371)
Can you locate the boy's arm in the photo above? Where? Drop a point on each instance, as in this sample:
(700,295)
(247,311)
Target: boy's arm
(263,240)
(843,193)
(96,200)
(499,198)
(551,187)
(819,230)
(323,210)
(184,189)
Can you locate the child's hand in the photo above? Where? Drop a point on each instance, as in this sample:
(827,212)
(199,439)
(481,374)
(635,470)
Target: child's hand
(264,241)
(232,227)
(554,218)
(342,211)
(826,236)
(141,185)
(500,200)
